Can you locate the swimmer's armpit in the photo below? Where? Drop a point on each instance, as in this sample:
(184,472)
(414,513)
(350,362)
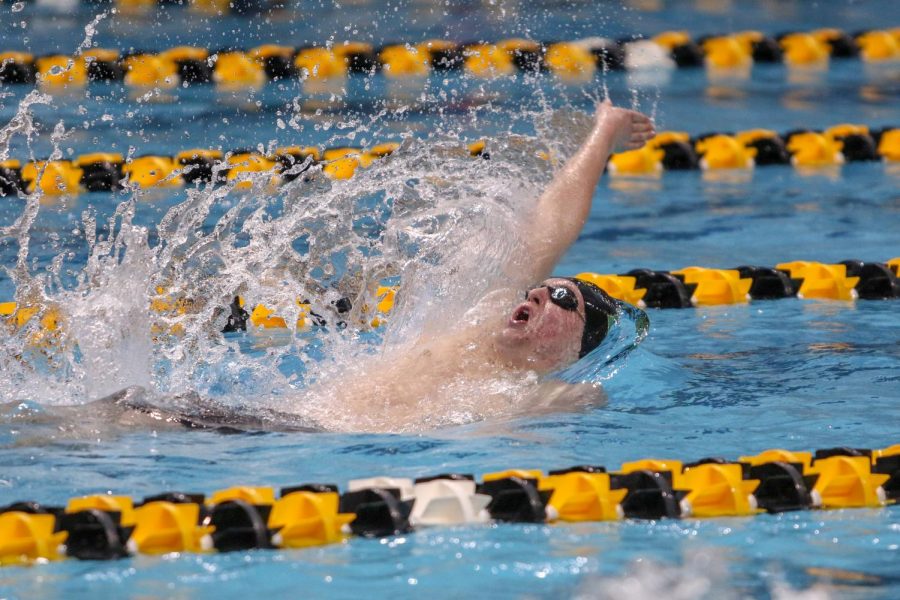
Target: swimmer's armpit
(564,207)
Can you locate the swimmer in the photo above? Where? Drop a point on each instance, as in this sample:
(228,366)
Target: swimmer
(491,364)
(506,337)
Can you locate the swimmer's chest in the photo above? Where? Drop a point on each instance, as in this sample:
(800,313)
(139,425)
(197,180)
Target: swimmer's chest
(428,367)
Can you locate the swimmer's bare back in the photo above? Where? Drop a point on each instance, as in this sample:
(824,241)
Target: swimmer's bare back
(498,354)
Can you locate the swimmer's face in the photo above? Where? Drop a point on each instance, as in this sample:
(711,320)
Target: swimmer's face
(545,330)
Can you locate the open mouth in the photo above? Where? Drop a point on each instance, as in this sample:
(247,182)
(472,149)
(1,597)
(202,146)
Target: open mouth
(521,315)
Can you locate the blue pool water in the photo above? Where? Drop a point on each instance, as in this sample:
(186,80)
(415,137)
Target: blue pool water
(718,381)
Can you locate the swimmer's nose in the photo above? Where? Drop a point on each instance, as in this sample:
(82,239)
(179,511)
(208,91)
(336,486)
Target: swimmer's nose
(539,295)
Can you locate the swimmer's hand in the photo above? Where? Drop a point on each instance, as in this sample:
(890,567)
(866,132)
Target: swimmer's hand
(626,129)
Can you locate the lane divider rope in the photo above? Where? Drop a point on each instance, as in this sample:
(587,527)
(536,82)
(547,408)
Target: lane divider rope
(683,288)
(804,149)
(104,527)
(577,60)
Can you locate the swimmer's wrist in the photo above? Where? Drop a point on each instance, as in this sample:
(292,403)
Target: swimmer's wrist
(603,138)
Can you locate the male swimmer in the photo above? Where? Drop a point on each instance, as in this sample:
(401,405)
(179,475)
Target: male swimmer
(490,364)
(504,339)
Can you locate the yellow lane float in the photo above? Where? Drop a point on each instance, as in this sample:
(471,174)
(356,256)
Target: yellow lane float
(717,490)
(54,178)
(822,281)
(889,146)
(238,70)
(805,50)
(879,46)
(579,496)
(570,61)
(152,171)
(26,538)
(848,482)
(320,63)
(811,149)
(404,61)
(645,161)
(151,71)
(305,519)
(727,53)
(716,286)
(724,152)
(488,60)
(242,163)
(620,287)
(163,527)
(61,71)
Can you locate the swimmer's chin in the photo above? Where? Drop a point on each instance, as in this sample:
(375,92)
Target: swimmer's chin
(514,334)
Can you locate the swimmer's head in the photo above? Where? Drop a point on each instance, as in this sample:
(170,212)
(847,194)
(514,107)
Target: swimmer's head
(561,320)
(598,308)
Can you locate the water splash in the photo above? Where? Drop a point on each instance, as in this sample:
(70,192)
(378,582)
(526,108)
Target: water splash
(702,574)
(429,218)
(630,327)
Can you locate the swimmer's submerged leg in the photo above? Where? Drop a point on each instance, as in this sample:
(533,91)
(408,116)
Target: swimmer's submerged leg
(135,408)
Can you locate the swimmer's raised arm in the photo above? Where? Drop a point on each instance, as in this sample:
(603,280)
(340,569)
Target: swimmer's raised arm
(564,207)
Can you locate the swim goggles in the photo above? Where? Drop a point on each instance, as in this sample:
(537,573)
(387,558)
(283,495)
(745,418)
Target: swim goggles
(561,296)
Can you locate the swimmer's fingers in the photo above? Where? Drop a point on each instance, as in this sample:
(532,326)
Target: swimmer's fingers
(627,129)
(639,138)
(642,129)
(644,134)
(640,122)
(639,117)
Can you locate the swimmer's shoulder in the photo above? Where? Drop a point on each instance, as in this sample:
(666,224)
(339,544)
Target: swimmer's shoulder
(495,303)
(486,315)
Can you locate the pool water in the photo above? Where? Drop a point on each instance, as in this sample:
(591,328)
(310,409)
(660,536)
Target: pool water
(716,381)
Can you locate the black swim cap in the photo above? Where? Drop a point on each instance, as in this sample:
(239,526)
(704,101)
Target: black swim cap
(598,307)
